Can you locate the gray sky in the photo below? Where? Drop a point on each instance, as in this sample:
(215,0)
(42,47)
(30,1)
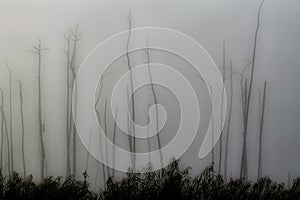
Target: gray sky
(207,21)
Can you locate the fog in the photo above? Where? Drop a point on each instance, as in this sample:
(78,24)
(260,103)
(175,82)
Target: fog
(208,22)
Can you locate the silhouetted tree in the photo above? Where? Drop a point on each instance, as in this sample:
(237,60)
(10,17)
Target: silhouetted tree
(155,104)
(38,51)
(248,96)
(261,126)
(22,128)
(10,120)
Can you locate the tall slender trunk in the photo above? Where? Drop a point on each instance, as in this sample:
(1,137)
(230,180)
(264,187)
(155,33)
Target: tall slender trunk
(114,142)
(7,141)
(244,171)
(68,166)
(74,131)
(88,153)
(38,51)
(222,105)
(262,115)
(10,120)
(22,128)
(228,123)
(106,133)
(132,93)
(100,137)
(248,96)
(155,104)
(148,136)
(2,131)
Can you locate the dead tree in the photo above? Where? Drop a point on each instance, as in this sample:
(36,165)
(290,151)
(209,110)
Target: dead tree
(155,103)
(38,51)
(2,130)
(261,126)
(228,122)
(100,124)
(132,125)
(72,43)
(22,128)
(106,133)
(7,137)
(148,137)
(68,108)
(222,105)
(10,119)
(114,141)
(248,96)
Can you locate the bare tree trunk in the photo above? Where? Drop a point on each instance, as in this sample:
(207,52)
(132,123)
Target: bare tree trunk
(248,98)
(243,171)
(7,140)
(222,105)
(106,133)
(76,38)
(22,128)
(132,93)
(114,141)
(38,51)
(129,126)
(148,137)
(74,132)
(262,115)
(68,166)
(228,123)
(88,154)
(155,104)
(10,120)
(100,124)
(2,130)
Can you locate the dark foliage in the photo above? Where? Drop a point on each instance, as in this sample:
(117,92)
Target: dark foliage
(169,183)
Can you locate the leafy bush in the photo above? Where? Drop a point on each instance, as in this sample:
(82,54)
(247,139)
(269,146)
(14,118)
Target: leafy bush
(168,183)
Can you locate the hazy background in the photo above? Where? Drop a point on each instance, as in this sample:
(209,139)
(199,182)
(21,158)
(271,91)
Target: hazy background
(209,22)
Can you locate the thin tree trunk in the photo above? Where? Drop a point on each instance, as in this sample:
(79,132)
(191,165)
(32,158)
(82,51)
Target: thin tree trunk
(2,131)
(262,115)
(248,98)
(22,127)
(132,93)
(76,38)
(222,105)
(228,123)
(38,51)
(106,133)
(68,166)
(100,124)
(7,141)
(148,137)
(10,120)
(114,141)
(155,104)
(244,87)
(129,126)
